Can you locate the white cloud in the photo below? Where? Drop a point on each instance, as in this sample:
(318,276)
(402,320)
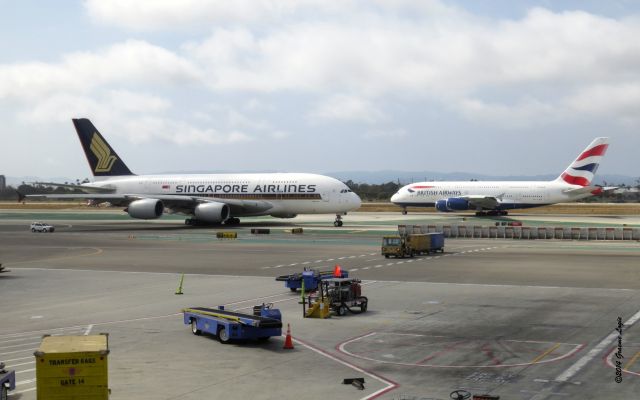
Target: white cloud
(348,108)
(129,62)
(187,14)
(145,129)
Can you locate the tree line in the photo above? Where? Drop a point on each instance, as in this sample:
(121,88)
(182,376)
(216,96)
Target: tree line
(367,191)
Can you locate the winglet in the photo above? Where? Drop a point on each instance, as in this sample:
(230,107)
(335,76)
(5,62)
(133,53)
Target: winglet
(103,160)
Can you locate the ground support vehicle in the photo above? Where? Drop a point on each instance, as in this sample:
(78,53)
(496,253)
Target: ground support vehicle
(72,367)
(265,322)
(339,295)
(7,382)
(41,227)
(310,277)
(406,245)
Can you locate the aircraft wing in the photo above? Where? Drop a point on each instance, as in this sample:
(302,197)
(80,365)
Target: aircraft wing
(84,189)
(488,202)
(179,203)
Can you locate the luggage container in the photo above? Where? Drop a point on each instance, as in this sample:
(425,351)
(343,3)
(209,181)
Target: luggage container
(437,242)
(72,367)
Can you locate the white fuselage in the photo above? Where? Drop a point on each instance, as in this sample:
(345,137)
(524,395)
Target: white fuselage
(289,193)
(511,194)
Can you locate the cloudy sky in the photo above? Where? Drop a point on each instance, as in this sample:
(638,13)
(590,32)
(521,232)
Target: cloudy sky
(497,87)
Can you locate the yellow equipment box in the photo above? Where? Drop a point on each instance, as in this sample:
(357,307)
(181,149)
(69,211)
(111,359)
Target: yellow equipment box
(72,367)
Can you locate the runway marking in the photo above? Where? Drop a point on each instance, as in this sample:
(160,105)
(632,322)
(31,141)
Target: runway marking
(353,269)
(88,330)
(495,362)
(546,353)
(609,356)
(575,368)
(18,359)
(306,262)
(390,384)
(378,266)
(97,251)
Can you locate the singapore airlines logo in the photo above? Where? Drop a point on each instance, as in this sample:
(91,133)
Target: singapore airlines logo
(102,153)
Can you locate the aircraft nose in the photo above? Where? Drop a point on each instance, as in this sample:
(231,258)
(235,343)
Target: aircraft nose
(395,197)
(355,199)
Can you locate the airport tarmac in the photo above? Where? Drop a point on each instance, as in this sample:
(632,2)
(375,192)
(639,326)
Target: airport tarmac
(519,319)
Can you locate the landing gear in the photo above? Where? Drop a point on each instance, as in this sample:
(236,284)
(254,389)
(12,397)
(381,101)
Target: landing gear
(189,221)
(404,211)
(338,222)
(232,221)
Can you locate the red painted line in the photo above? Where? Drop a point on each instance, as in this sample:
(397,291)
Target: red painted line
(341,348)
(489,352)
(607,360)
(447,349)
(391,385)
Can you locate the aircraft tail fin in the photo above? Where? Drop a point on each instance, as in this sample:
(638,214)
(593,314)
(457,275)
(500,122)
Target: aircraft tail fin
(583,169)
(103,160)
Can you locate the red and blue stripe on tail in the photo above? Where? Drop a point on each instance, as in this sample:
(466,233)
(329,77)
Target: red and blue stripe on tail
(582,169)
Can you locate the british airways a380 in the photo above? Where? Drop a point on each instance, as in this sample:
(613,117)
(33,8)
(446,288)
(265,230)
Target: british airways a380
(496,198)
(205,198)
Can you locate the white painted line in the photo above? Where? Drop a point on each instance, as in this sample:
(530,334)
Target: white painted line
(18,359)
(353,269)
(390,384)
(389,264)
(306,262)
(606,342)
(372,254)
(352,256)
(378,266)
(341,258)
(88,331)
(291,265)
(24,363)
(317,261)
(409,261)
(541,380)
(330,259)
(25,381)
(18,345)
(21,391)
(400,262)
(26,370)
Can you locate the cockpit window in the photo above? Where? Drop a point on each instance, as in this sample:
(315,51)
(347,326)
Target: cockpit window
(346,191)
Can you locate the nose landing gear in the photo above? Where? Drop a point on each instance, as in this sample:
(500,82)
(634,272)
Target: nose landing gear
(338,222)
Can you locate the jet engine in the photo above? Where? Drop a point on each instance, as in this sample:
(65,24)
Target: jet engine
(212,212)
(145,209)
(452,204)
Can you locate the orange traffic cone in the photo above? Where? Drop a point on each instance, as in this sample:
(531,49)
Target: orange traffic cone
(337,271)
(288,343)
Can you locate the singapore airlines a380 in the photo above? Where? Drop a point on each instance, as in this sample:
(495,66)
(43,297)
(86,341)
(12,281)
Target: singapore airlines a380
(204,198)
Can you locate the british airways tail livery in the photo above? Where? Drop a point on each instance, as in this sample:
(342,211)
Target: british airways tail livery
(495,198)
(205,198)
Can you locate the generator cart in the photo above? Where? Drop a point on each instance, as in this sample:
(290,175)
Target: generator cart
(310,277)
(342,295)
(265,322)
